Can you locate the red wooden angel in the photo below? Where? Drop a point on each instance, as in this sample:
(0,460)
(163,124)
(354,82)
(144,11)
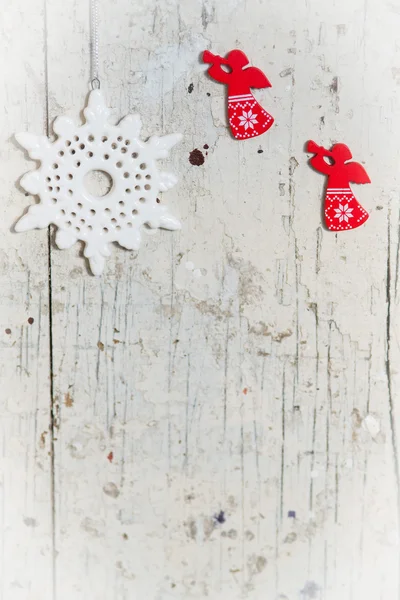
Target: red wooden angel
(342,210)
(247,117)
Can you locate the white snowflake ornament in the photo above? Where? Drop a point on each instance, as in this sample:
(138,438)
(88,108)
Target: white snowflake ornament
(97,146)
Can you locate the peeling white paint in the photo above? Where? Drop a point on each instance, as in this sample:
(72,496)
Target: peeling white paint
(372,425)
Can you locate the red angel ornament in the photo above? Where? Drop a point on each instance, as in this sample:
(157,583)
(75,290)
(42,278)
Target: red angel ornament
(247,117)
(342,210)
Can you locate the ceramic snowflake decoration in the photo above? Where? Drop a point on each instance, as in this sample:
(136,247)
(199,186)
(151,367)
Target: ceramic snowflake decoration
(133,199)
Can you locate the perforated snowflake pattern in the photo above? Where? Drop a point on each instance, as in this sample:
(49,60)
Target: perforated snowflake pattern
(134,197)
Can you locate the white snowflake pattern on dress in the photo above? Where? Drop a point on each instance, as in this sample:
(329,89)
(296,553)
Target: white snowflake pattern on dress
(343,213)
(248,119)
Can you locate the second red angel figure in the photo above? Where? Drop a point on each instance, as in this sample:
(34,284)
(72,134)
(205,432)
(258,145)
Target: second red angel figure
(247,117)
(342,211)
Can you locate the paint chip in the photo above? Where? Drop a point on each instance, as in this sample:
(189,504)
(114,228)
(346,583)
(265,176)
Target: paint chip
(68,400)
(286,72)
(310,590)
(261,563)
(334,87)
(110,489)
(220,517)
(372,425)
(43,439)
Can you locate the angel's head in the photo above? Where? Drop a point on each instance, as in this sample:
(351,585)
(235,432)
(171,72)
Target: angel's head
(237,59)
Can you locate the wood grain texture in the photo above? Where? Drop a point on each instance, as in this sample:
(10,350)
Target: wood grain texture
(224,401)
(26,508)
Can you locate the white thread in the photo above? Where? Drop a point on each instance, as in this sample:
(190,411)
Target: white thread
(94,44)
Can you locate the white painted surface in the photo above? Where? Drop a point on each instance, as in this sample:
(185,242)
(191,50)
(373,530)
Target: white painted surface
(247,364)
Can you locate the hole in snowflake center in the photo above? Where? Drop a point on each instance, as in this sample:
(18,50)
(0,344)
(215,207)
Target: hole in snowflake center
(98,183)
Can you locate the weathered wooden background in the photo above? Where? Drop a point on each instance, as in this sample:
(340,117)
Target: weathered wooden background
(217,416)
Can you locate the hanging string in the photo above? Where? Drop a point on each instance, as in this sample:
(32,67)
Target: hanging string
(94,44)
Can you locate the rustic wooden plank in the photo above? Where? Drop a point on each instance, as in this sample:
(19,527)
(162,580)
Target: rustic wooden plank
(224,395)
(25,439)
